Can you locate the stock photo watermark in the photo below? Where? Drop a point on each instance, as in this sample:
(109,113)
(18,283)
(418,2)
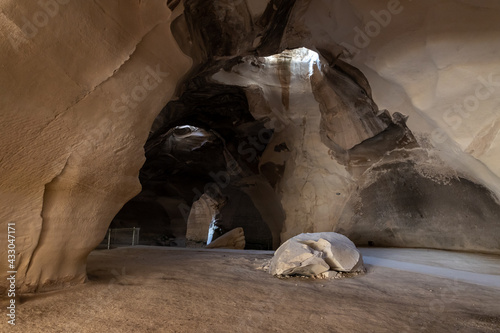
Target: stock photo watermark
(249,149)
(113,289)
(222,9)
(150,80)
(437,306)
(38,20)
(11,272)
(454,116)
(372,29)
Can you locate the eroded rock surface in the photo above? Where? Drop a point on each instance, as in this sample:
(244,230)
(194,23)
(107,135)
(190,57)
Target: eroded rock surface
(327,127)
(202,213)
(234,239)
(308,124)
(77,103)
(313,254)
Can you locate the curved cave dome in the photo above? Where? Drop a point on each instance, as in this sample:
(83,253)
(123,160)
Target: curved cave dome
(378,121)
(308,138)
(200,173)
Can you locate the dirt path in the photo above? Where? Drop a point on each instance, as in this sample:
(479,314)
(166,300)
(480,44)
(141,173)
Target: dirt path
(151,289)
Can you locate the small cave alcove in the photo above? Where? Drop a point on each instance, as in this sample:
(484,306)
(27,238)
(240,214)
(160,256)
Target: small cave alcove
(202,147)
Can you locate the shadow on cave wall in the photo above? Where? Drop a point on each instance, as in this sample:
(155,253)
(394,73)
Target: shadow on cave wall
(206,132)
(191,144)
(219,129)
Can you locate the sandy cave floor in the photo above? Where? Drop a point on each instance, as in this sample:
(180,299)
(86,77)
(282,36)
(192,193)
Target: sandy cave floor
(161,289)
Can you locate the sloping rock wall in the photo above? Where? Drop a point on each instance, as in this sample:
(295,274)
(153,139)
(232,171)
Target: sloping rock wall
(81,85)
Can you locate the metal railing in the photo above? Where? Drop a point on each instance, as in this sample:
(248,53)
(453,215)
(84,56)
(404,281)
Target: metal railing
(121,236)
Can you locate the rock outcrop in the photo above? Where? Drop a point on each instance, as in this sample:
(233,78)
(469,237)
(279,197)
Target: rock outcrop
(201,215)
(234,239)
(77,104)
(304,102)
(315,254)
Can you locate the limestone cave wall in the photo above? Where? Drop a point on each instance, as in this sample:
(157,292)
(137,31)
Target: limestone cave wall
(377,119)
(82,83)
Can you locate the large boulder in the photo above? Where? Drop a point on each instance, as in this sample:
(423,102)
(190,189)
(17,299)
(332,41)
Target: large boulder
(312,254)
(201,215)
(234,239)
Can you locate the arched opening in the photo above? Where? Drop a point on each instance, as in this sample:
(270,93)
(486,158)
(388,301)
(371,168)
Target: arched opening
(261,135)
(204,154)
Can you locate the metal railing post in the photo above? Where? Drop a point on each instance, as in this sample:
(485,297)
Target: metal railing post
(109,238)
